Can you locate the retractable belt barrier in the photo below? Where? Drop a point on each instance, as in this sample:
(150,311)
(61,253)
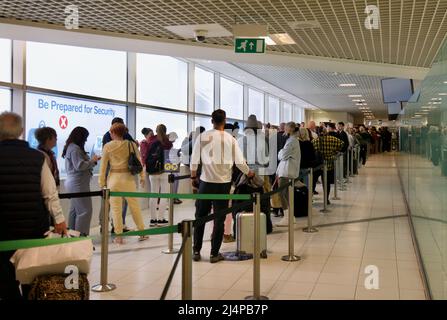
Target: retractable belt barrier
(80,195)
(11,245)
(185,228)
(182,196)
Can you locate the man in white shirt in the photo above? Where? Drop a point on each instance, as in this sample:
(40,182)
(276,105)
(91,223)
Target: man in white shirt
(216,151)
(28,197)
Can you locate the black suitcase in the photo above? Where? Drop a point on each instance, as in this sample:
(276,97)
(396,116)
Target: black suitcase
(301,202)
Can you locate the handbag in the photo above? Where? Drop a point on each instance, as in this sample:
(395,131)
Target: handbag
(134,164)
(33,262)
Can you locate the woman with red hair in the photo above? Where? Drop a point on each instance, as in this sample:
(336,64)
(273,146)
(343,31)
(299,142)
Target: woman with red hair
(116,154)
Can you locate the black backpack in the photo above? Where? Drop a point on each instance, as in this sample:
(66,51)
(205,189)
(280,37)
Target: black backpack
(155,158)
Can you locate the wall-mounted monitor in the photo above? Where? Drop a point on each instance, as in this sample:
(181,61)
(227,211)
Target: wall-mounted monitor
(394,108)
(395,90)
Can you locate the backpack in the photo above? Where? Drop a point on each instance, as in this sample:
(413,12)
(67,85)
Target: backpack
(155,158)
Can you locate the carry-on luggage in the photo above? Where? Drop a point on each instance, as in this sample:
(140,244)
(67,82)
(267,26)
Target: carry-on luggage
(245,233)
(301,202)
(247,186)
(54,287)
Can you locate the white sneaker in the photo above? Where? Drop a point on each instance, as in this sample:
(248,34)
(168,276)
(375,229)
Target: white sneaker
(284,222)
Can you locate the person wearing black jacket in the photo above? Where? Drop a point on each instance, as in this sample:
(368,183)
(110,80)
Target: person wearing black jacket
(343,136)
(28,196)
(308,157)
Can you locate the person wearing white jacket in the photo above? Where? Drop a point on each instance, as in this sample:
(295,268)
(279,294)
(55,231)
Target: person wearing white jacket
(288,168)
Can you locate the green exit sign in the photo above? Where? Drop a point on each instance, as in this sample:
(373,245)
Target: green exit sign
(249,45)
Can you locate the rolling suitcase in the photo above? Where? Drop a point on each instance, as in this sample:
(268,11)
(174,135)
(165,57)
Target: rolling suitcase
(301,202)
(245,233)
(53,287)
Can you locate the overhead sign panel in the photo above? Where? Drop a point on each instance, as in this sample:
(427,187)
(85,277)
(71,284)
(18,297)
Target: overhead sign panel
(249,45)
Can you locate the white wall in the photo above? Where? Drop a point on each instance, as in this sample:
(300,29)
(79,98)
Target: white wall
(323,116)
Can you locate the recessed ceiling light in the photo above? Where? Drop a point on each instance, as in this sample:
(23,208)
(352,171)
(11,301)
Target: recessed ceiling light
(281,38)
(347,85)
(443,94)
(436,99)
(355,96)
(358,100)
(445,82)
(269,41)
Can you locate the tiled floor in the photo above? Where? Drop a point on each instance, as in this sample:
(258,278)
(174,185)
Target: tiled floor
(333,260)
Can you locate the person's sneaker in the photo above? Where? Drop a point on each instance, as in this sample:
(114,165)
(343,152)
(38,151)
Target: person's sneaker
(126,229)
(228,238)
(215,259)
(328,202)
(178,201)
(284,222)
(143,238)
(162,222)
(196,256)
(113,230)
(153,223)
(315,193)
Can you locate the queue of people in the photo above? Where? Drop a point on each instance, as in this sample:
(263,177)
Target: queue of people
(214,159)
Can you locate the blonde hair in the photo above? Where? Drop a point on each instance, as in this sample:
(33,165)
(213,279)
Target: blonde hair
(303,134)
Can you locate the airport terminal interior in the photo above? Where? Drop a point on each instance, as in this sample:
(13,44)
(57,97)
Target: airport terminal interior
(377,67)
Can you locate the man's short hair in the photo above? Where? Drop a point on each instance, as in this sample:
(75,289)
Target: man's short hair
(218,116)
(44,134)
(332,126)
(341,123)
(117,120)
(11,126)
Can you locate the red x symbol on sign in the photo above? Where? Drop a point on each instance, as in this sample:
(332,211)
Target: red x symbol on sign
(63,122)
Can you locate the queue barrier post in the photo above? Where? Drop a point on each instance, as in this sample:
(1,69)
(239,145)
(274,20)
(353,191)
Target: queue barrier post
(291,257)
(341,175)
(171,249)
(351,161)
(336,179)
(348,166)
(257,252)
(325,193)
(309,227)
(104,286)
(187,229)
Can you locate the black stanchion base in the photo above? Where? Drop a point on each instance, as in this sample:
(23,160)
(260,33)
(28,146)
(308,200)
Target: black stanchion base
(310,230)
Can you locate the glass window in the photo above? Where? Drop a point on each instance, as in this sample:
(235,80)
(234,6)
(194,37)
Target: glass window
(232,98)
(5,100)
(174,122)
(256,104)
(162,81)
(92,72)
(273,110)
(299,114)
(5,60)
(204,87)
(202,121)
(286,112)
(64,114)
